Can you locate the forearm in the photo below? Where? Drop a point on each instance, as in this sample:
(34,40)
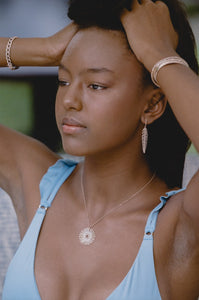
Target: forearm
(38,51)
(181,87)
(26,52)
(155,39)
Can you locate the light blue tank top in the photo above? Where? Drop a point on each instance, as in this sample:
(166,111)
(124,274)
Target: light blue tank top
(140,283)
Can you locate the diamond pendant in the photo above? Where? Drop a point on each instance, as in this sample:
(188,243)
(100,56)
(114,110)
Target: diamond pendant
(87,236)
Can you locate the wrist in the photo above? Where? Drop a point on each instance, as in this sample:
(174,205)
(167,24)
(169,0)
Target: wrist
(152,57)
(41,52)
(164,62)
(52,55)
(30,52)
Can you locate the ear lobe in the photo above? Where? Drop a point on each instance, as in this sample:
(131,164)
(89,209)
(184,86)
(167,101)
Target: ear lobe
(154,108)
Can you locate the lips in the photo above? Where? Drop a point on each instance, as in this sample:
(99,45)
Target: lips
(72,122)
(72,126)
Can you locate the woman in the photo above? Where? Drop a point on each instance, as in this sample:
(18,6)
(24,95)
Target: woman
(106,234)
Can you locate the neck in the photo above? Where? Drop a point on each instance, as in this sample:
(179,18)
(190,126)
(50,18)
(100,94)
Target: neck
(109,179)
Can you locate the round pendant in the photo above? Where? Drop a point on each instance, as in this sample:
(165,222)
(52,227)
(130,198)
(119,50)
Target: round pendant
(87,236)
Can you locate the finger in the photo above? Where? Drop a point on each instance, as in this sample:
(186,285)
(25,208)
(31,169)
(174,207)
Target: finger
(149,1)
(163,6)
(145,1)
(135,4)
(161,3)
(124,13)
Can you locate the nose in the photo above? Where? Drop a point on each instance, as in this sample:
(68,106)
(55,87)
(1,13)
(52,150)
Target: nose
(72,98)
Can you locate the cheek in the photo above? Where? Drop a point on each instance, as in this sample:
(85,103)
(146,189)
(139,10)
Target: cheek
(58,109)
(118,119)
(126,108)
(123,123)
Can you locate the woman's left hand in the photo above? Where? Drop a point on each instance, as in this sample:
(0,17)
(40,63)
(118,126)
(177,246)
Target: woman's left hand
(150,31)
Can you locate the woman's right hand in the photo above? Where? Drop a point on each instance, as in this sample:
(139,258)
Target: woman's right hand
(57,43)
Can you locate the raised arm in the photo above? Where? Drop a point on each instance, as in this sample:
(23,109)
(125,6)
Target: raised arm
(24,160)
(38,51)
(152,38)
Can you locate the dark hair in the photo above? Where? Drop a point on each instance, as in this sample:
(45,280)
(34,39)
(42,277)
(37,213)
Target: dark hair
(168,142)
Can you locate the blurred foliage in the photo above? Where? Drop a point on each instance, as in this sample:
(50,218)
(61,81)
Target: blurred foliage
(16,103)
(192,150)
(192,6)
(193,9)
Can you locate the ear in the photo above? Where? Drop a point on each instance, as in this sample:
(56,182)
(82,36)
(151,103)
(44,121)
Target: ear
(155,106)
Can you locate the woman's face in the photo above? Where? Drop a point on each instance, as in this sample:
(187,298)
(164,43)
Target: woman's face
(100,99)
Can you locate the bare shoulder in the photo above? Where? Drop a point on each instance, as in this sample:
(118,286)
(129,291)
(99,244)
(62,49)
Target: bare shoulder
(191,202)
(168,220)
(32,168)
(17,153)
(188,220)
(176,225)
(23,162)
(176,246)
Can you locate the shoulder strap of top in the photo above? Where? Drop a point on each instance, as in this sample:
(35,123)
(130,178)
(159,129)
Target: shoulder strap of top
(53,179)
(152,219)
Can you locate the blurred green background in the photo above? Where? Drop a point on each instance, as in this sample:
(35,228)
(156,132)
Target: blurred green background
(16,103)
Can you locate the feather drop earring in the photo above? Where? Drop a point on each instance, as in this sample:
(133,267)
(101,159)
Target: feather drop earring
(144,137)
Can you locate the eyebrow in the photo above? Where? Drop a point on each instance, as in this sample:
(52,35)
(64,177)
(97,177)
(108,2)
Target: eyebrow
(97,70)
(62,67)
(89,70)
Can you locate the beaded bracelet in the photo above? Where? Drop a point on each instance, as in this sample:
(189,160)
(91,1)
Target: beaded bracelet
(163,62)
(11,66)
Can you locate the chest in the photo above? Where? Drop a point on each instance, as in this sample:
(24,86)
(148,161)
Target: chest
(66,269)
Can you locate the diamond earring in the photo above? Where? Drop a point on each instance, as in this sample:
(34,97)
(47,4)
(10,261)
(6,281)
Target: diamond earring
(144,137)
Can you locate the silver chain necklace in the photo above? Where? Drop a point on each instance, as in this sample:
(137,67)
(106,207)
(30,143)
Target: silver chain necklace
(87,235)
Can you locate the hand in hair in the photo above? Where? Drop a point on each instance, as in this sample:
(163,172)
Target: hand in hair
(39,51)
(150,31)
(58,42)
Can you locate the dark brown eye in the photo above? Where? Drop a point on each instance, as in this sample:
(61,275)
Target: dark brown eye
(97,87)
(63,83)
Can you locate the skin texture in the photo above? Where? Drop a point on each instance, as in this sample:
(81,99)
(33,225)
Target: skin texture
(101,115)
(95,89)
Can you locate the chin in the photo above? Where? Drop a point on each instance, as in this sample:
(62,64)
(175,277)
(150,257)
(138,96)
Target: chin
(72,150)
